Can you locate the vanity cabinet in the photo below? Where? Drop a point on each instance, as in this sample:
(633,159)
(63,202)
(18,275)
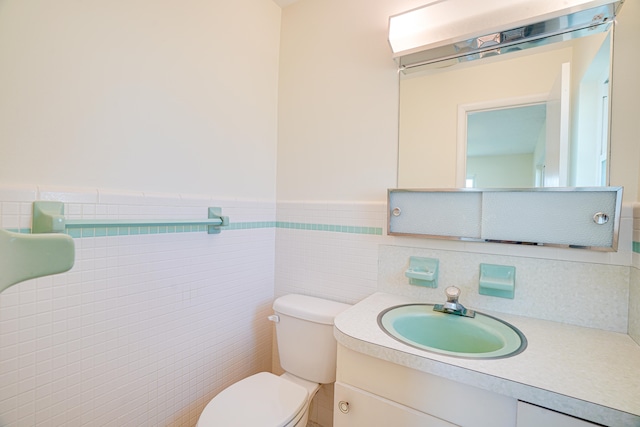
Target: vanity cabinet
(371,392)
(535,416)
(376,390)
(355,407)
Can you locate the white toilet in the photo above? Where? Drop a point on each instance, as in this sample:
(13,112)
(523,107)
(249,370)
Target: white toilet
(307,349)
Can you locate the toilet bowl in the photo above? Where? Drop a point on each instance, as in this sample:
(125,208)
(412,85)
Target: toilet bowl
(263,399)
(304,330)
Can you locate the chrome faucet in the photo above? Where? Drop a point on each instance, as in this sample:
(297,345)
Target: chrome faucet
(452,306)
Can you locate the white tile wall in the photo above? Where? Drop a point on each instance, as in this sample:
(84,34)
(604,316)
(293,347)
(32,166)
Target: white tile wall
(337,265)
(145,329)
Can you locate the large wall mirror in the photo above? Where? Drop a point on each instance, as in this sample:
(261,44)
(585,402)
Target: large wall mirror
(534,118)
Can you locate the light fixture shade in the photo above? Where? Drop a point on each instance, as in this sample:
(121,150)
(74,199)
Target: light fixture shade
(452,28)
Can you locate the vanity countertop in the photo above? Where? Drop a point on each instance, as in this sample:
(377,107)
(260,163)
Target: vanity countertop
(589,373)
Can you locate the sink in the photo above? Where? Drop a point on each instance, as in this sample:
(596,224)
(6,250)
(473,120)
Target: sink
(480,337)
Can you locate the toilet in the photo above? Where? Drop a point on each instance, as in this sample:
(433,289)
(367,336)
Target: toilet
(307,349)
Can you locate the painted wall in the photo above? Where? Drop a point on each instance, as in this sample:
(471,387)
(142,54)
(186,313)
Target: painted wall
(338,101)
(91,91)
(625,152)
(143,109)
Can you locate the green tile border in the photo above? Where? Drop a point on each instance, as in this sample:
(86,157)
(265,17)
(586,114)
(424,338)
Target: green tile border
(170,229)
(249,225)
(377,231)
(110,231)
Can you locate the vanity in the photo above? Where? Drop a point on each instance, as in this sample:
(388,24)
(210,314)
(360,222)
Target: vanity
(568,376)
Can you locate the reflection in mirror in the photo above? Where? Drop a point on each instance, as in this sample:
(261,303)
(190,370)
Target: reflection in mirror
(528,119)
(505,147)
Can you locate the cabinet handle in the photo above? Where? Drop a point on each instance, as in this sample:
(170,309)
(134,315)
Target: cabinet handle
(343,406)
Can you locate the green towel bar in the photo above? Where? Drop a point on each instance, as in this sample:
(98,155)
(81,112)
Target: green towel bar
(48,217)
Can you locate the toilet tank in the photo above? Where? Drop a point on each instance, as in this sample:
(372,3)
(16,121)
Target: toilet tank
(306,345)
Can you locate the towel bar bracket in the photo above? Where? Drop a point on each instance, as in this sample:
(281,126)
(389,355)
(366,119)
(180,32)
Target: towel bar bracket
(48,217)
(216,213)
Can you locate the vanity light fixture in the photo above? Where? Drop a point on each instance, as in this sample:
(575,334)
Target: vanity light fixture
(463,30)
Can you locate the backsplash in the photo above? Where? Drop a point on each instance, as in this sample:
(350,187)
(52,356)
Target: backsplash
(561,291)
(149,324)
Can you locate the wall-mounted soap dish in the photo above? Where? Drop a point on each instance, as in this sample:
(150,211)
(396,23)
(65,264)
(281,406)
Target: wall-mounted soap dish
(497,280)
(423,272)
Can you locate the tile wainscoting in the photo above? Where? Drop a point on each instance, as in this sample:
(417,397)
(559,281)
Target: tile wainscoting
(151,323)
(148,325)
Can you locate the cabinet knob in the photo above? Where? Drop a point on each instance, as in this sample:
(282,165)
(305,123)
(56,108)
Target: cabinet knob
(600,218)
(343,406)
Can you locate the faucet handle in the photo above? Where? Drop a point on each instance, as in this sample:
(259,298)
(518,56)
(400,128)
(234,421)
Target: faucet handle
(452,306)
(452,294)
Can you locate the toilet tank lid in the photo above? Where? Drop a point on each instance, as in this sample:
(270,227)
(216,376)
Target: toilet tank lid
(309,308)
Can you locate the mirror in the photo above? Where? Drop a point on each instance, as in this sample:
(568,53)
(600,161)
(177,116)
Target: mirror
(532,118)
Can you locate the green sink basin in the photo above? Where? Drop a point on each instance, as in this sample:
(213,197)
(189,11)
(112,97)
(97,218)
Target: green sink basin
(480,337)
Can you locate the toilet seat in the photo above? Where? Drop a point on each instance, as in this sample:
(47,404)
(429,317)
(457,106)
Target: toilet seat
(262,399)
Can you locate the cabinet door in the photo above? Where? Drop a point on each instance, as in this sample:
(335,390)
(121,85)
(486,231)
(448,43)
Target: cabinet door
(535,416)
(357,408)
